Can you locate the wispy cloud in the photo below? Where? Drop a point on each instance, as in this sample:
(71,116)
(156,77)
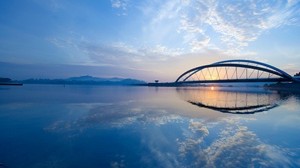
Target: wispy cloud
(116,53)
(121,5)
(192,26)
(160,61)
(201,24)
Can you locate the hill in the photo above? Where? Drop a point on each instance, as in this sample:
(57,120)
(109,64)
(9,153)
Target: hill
(85,80)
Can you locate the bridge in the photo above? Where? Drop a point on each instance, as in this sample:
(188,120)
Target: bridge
(235,71)
(231,71)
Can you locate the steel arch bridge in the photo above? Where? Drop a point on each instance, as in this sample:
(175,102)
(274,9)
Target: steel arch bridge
(234,71)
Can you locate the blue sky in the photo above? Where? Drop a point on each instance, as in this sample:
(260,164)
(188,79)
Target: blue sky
(148,39)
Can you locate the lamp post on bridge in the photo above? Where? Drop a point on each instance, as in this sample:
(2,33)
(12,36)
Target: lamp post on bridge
(297,76)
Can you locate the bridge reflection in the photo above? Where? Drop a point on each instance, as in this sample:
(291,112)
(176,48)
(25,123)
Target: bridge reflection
(231,101)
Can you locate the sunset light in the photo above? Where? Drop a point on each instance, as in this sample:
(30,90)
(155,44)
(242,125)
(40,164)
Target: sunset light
(146,39)
(149,83)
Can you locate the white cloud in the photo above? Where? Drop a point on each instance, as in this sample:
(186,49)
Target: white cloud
(121,5)
(201,23)
(116,53)
(239,23)
(193,29)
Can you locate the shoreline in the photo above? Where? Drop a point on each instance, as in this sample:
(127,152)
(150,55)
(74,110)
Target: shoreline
(295,86)
(11,84)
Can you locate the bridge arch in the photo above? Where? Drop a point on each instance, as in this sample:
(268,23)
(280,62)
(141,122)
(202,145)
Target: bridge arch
(264,72)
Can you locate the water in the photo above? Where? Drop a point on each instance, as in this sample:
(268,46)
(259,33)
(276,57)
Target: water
(97,126)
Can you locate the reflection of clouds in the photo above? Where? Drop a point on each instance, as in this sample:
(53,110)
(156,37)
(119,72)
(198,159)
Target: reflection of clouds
(124,115)
(115,115)
(117,164)
(187,148)
(237,120)
(200,143)
(292,103)
(235,146)
(196,126)
(163,158)
(235,150)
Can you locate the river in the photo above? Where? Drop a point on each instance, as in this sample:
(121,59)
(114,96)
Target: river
(127,126)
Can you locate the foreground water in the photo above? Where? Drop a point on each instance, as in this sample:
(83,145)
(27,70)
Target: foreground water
(96,126)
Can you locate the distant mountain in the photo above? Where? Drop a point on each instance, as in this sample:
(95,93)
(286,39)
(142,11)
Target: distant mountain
(91,78)
(5,80)
(85,80)
(8,81)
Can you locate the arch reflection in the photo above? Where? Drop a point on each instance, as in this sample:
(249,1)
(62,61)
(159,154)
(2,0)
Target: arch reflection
(231,101)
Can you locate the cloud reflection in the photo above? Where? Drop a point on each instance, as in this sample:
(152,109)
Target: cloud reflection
(234,146)
(194,141)
(116,115)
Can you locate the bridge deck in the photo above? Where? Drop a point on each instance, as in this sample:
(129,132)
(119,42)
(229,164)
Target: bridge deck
(239,80)
(184,83)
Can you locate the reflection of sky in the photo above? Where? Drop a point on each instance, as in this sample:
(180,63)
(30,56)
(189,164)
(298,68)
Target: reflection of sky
(234,146)
(158,130)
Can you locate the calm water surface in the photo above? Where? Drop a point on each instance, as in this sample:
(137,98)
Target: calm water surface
(96,126)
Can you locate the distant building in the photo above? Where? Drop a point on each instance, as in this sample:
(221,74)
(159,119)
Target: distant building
(156,81)
(297,74)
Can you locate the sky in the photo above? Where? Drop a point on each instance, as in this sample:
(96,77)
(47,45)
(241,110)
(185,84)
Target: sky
(143,39)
